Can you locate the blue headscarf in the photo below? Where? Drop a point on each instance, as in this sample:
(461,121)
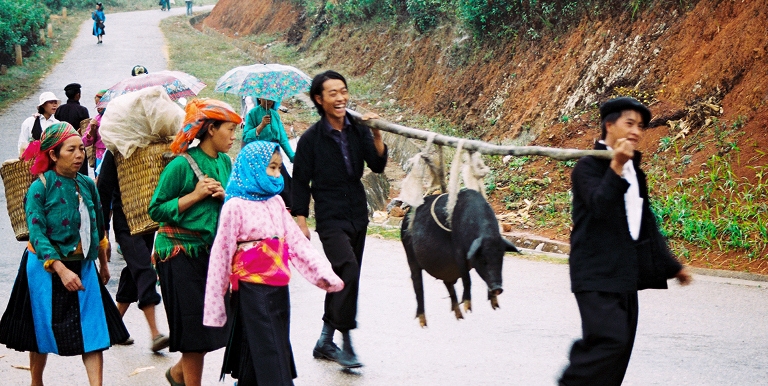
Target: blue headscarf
(249,179)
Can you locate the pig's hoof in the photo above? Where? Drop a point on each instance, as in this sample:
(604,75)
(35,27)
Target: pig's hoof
(467,306)
(494,302)
(422,320)
(457,312)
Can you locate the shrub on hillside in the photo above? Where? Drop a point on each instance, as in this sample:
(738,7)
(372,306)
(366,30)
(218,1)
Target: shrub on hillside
(20,21)
(426,14)
(360,10)
(485,19)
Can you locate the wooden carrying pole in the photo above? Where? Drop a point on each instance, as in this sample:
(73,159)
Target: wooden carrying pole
(479,146)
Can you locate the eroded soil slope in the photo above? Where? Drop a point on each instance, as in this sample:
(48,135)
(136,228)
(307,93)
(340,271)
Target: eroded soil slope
(703,70)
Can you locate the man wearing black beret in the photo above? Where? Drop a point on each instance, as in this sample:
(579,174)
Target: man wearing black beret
(73,113)
(616,248)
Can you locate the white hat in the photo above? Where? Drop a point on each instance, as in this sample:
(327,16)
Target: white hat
(47,96)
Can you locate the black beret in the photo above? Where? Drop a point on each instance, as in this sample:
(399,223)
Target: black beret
(617,105)
(72,86)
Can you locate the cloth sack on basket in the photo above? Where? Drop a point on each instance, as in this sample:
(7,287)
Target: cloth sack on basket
(138,118)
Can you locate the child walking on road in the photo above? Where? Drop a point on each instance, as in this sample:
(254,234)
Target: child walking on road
(255,240)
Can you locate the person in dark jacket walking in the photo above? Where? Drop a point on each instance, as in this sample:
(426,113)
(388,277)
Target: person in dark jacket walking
(329,162)
(138,278)
(73,113)
(616,248)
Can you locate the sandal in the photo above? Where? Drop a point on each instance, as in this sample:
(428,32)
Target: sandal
(160,342)
(170,378)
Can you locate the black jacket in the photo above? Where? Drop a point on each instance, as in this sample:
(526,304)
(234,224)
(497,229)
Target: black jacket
(72,112)
(603,255)
(319,171)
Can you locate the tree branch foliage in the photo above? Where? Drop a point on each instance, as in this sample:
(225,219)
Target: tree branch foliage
(485,19)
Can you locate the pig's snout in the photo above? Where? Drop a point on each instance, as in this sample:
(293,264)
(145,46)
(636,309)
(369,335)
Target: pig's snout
(495,289)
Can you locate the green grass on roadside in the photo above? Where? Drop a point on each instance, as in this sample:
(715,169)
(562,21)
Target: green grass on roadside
(207,57)
(21,81)
(384,232)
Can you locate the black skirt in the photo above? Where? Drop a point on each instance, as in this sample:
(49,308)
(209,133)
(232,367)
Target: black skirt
(17,326)
(182,281)
(259,351)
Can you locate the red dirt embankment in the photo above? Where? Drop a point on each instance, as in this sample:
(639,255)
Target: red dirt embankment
(249,17)
(545,91)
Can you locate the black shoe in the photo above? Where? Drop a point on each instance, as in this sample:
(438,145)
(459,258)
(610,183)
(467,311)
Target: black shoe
(328,351)
(126,342)
(348,360)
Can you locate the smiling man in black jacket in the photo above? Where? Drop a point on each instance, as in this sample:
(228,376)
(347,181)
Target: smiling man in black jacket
(616,248)
(329,163)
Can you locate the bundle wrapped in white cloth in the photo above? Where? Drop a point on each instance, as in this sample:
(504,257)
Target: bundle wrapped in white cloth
(138,118)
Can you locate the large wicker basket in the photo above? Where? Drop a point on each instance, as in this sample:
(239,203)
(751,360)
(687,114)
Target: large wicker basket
(17,179)
(138,176)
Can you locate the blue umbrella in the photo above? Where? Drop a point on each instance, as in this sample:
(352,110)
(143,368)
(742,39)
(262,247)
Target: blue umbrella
(268,81)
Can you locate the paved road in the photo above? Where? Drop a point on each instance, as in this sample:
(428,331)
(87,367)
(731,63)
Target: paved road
(714,332)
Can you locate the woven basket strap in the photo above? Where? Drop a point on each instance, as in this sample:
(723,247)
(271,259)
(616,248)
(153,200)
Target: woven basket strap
(198,173)
(42,179)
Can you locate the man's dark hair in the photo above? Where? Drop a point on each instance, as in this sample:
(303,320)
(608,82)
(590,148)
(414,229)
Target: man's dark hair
(610,118)
(72,92)
(317,87)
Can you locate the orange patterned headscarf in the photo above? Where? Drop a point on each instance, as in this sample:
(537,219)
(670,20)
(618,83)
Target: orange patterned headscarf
(198,111)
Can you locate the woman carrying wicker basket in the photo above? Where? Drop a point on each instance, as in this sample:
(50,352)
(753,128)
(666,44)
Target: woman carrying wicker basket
(58,292)
(186,203)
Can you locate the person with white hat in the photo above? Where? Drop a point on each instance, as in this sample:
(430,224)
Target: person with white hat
(33,127)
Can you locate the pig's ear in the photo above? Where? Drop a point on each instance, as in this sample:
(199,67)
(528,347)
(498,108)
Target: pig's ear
(508,246)
(474,248)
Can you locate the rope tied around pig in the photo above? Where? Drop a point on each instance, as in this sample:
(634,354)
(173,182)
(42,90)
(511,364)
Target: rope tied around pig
(425,175)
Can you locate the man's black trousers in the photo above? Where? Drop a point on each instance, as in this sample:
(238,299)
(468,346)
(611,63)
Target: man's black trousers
(138,279)
(344,249)
(609,324)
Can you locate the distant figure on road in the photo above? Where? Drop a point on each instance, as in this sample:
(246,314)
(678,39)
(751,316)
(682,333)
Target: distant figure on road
(98,22)
(59,304)
(329,163)
(74,113)
(165,5)
(616,248)
(189,7)
(32,128)
(186,203)
(263,123)
(254,243)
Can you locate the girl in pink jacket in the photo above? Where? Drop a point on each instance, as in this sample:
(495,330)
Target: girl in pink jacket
(256,239)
